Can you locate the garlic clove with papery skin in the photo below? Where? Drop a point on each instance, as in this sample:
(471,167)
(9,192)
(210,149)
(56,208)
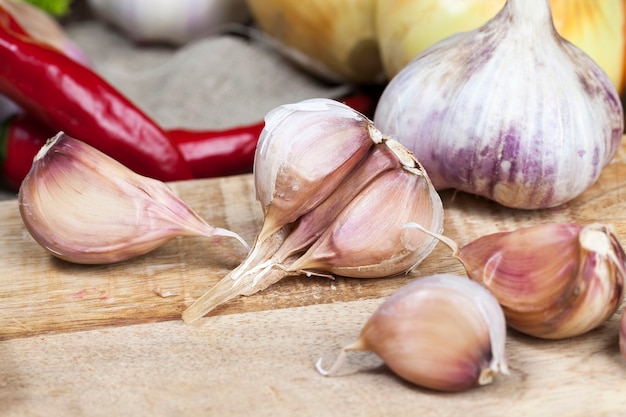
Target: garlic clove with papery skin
(554,280)
(345,248)
(85,207)
(510,111)
(443,332)
(305,150)
(365,186)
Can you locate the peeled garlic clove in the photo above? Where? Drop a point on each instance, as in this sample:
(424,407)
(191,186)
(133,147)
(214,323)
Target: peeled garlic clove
(85,207)
(553,280)
(305,150)
(510,111)
(347,247)
(442,332)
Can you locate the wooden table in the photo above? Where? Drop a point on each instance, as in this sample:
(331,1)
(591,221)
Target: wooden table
(108,340)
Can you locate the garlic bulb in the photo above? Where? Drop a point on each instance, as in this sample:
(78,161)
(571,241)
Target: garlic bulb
(442,332)
(509,111)
(332,39)
(85,207)
(335,193)
(406,28)
(176,22)
(553,280)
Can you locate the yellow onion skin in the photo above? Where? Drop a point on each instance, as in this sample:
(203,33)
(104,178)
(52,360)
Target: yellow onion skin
(406,28)
(510,111)
(333,39)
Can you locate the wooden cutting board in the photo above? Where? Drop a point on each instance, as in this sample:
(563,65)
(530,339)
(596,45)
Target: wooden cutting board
(67,347)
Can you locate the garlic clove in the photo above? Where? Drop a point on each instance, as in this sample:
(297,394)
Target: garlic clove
(305,150)
(510,111)
(351,192)
(443,332)
(85,207)
(553,280)
(347,247)
(311,225)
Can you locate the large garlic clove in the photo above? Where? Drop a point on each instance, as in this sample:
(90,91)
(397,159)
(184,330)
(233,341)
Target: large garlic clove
(85,207)
(305,150)
(553,280)
(509,111)
(442,332)
(346,247)
(358,200)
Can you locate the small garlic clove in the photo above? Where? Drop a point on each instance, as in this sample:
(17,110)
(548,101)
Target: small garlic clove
(553,280)
(622,334)
(305,150)
(85,207)
(360,245)
(443,332)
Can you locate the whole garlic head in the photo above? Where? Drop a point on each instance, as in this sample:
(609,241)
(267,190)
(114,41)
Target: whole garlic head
(510,111)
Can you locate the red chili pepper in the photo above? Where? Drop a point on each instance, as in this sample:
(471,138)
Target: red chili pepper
(68,96)
(209,153)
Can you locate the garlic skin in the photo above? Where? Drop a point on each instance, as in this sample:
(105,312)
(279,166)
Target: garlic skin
(554,280)
(335,193)
(177,22)
(85,207)
(406,28)
(442,332)
(509,111)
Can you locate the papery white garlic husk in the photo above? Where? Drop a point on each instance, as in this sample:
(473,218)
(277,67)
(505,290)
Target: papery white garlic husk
(175,22)
(335,193)
(85,207)
(443,332)
(509,111)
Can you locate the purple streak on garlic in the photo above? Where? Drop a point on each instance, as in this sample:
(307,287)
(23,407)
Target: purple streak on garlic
(443,332)
(335,193)
(85,207)
(510,111)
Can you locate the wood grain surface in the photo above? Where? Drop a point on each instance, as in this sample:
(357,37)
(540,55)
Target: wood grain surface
(66,346)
